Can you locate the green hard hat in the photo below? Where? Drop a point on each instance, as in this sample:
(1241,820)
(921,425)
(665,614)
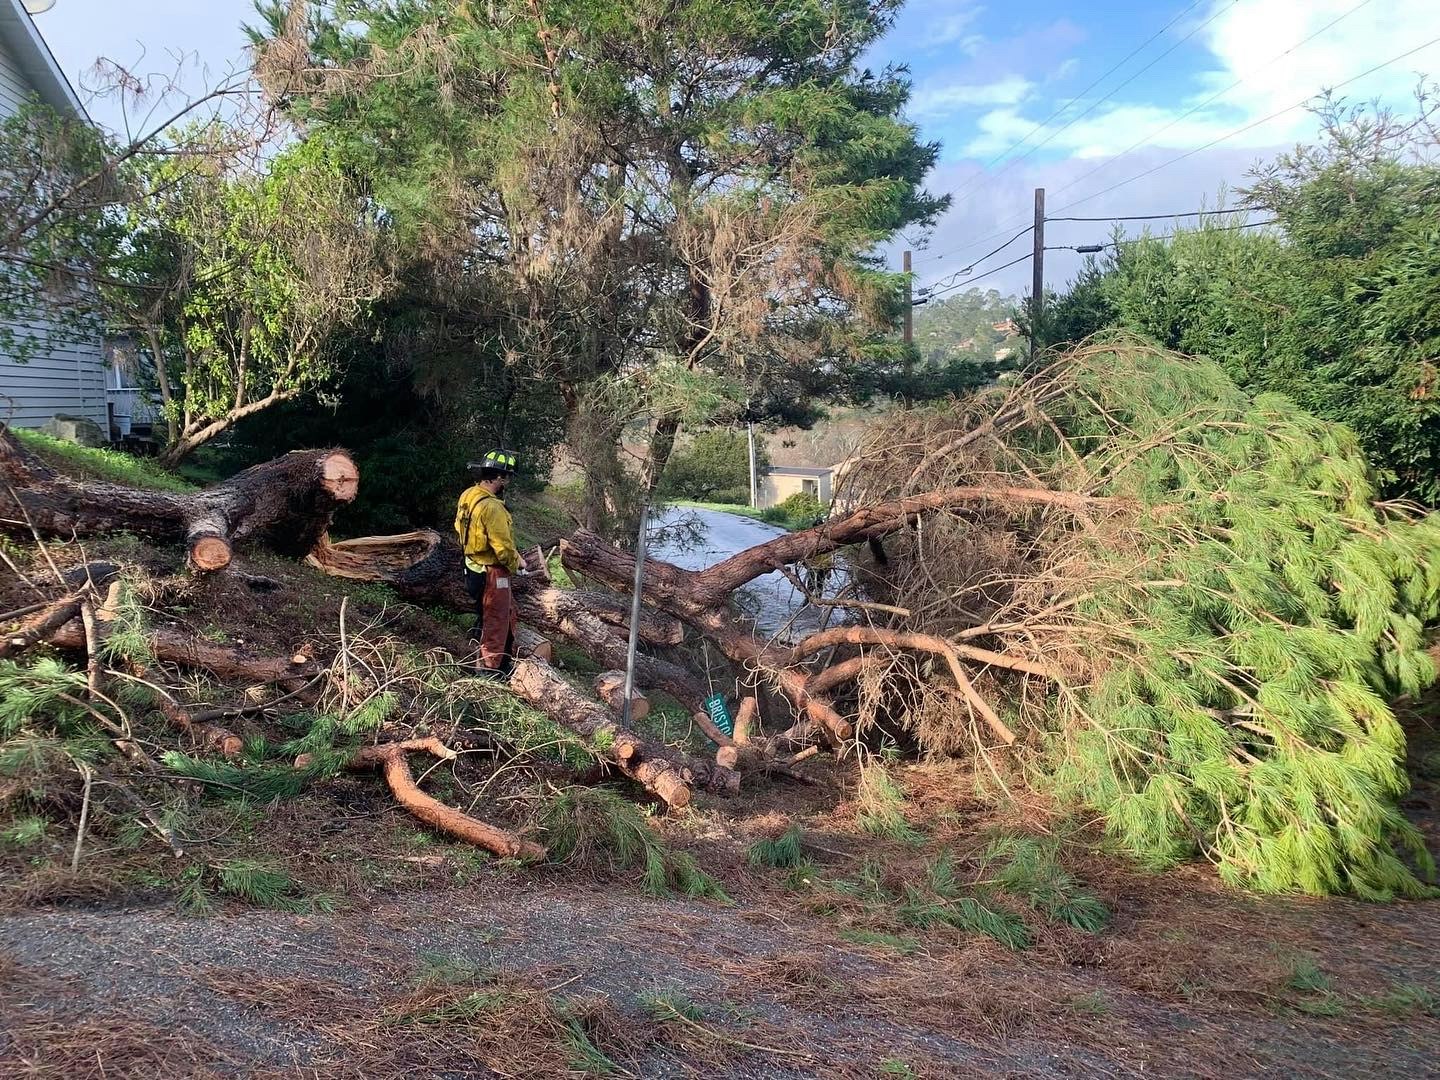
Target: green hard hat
(501,461)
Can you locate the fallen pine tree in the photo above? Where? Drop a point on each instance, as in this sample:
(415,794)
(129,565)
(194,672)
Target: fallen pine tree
(1184,606)
(1166,600)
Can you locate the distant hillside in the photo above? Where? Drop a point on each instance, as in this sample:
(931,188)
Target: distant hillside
(967,327)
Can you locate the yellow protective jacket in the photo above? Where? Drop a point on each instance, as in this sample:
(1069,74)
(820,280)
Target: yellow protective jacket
(484,529)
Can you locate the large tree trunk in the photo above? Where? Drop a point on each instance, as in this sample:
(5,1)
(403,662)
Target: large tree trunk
(428,567)
(286,504)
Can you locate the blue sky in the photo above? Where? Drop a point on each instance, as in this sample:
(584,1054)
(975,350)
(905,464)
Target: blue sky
(987,74)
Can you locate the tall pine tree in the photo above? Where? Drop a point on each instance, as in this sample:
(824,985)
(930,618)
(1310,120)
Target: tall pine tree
(665,208)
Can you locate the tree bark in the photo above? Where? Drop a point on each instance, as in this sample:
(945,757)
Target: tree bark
(661,771)
(286,504)
(428,567)
(229,663)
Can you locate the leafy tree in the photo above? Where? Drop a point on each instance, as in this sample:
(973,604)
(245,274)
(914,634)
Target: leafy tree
(1340,310)
(961,328)
(57,189)
(241,282)
(658,202)
(235,264)
(715,467)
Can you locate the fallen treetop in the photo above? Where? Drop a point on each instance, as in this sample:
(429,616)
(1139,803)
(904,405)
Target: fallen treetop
(1183,604)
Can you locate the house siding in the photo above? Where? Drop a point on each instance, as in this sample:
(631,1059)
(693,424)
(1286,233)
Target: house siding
(13,87)
(60,376)
(777,485)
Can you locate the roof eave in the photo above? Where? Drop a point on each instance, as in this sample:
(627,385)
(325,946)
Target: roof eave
(36,61)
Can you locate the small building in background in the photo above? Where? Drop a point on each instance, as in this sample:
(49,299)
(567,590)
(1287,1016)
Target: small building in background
(779,482)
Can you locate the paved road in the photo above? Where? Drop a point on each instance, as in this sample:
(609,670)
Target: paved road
(696,539)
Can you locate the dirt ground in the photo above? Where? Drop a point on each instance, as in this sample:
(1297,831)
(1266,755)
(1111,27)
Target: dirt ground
(1188,980)
(428,960)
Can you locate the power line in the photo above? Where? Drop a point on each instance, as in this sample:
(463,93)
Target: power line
(1253,124)
(1115,90)
(1080,96)
(994,251)
(1194,109)
(937,290)
(1212,98)
(1090,248)
(1153,217)
(932,294)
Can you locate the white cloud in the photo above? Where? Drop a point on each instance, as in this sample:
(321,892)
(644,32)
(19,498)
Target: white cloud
(954,29)
(933,99)
(991,211)
(1260,69)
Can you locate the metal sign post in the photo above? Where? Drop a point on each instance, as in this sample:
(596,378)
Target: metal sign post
(634,641)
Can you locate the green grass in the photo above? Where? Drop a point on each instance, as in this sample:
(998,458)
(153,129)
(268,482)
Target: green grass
(1094,1003)
(1306,977)
(881,811)
(597,827)
(670,1005)
(783,851)
(772,515)
(896,1067)
(110,466)
(1404,999)
(724,508)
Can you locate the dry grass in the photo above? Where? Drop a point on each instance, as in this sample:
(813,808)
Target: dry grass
(41,1035)
(451,1020)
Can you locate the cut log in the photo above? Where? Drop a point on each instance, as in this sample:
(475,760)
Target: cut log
(228,663)
(44,619)
(42,624)
(610,685)
(203,736)
(390,759)
(672,590)
(663,772)
(286,504)
(745,719)
(529,644)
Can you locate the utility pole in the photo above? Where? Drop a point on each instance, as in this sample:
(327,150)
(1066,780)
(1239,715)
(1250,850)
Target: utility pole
(1037,281)
(754,486)
(909,302)
(909,335)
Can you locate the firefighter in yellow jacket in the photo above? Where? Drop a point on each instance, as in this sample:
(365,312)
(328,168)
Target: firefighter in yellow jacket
(487,537)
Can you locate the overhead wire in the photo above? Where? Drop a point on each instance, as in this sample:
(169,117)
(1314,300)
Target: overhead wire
(930,294)
(1080,96)
(1163,236)
(1212,98)
(1250,126)
(999,231)
(1114,90)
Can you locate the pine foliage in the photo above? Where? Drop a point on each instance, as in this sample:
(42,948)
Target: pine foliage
(596,827)
(1230,630)
(785,851)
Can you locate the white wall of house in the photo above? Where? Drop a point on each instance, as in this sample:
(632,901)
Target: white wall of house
(60,376)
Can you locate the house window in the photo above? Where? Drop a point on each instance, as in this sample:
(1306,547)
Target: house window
(811,488)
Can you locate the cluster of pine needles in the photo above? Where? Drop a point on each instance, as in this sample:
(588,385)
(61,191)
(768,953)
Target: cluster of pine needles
(1222,626)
